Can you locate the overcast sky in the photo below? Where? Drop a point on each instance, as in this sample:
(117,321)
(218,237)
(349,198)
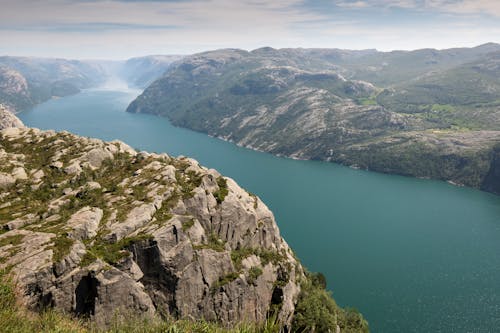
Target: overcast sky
(119,29)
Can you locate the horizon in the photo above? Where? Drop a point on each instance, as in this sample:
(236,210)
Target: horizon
(124,29)
(247,50)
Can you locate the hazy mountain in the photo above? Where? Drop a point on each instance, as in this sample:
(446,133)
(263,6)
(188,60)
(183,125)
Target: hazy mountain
(426,113)
(142,71)
(25,82)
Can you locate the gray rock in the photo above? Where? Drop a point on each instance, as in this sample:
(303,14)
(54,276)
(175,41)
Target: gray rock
(73,169)
(137,218)
(19,173)
(175,246)
(85,223)
(6,181)
(8,119)
(21,222)
(96,156)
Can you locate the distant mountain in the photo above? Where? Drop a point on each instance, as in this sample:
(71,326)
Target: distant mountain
(25,82)
(142,71)
(425,113)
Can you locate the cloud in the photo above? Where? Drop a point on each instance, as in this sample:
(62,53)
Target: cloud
(489,7)
(360,4)
(88,27)
(466,7)
(126,28)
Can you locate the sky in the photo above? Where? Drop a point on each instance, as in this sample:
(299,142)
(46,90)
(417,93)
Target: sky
(120,29)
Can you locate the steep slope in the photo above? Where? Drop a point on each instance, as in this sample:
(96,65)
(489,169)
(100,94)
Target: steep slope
(142,71)
(25,82)
(97,229)
(305,104)
(7,119)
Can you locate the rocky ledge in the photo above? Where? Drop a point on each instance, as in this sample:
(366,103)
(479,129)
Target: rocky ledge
(7,118)
(96,229)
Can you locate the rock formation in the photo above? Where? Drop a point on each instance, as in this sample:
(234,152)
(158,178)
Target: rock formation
(97,229)
(7,118)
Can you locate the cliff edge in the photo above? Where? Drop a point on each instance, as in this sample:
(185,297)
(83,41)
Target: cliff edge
(96,229)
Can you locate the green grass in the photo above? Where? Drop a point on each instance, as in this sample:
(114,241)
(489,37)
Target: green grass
(186,225)
(62,246)
(367,101)
(187,182)
(223,191)
(228,278)
(11,240)
(316,311)
(213,243)
(111,252)
(266,256)
(253,274)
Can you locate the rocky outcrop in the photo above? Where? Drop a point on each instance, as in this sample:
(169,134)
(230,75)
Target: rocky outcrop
(109,230)
(7,118)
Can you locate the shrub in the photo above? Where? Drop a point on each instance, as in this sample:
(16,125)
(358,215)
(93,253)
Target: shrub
(316,311)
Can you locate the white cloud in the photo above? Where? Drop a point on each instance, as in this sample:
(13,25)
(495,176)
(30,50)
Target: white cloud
(355,4)
(490,7)
(200,25)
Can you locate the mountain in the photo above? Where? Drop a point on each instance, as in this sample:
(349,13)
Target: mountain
(425,113)
(142,71)
(100,231)
(25,82)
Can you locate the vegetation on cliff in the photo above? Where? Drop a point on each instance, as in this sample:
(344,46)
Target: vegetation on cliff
(97,230)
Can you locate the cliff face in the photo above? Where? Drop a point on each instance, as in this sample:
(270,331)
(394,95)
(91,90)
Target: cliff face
(94,228)
(7,119)
(492,180)
(97,230)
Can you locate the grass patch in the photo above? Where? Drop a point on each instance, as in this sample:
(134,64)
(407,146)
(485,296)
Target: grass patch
(187,182)
(214,243)
(266,256)
(186,225)
(11,240)
(163,214)
(62,247)
(223,191)
(111,252)
(253,274)
(224,280)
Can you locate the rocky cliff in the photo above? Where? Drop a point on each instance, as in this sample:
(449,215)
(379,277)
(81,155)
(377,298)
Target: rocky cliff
(97,229)
(7,118)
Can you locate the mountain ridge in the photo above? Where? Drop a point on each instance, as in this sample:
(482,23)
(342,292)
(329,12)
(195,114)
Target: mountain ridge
(302,104)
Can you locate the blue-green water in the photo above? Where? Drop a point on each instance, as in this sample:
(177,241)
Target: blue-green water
(412,255)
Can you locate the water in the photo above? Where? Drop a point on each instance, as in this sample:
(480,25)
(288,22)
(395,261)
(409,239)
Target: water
(412,255)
